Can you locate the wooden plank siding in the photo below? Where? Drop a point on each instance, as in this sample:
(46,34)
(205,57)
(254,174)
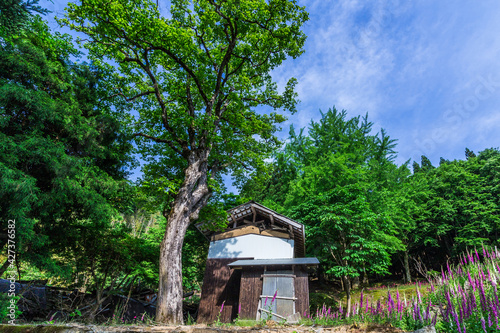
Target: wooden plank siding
(250,291)
(220,284)
(302,290)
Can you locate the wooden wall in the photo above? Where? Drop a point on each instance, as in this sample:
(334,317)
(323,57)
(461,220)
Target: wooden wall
(250,291)
(241,287)
(220,284)
(302,290)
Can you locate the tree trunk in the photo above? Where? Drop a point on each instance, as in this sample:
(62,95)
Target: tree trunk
(347,289)
(192,196)
(407,267)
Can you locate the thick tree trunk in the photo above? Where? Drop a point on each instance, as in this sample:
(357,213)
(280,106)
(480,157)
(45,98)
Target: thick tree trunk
(192,196)
(406,263)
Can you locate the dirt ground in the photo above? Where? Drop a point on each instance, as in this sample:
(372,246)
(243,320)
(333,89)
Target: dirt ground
(195,329)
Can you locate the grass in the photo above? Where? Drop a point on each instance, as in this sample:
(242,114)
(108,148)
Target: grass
(332,297)
(247,323)
(375,293)
(28,328)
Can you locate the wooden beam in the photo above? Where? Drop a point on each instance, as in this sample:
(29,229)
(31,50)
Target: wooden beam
(271,217)
(291,231)
(235,224)
(278,297)
(254,214)
(279,275)
(275,227)
(253,223)
(272,313)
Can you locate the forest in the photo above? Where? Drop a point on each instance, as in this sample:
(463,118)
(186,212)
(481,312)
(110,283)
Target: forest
(72,127)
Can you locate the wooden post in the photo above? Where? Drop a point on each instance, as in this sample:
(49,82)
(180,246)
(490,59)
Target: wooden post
(234,221)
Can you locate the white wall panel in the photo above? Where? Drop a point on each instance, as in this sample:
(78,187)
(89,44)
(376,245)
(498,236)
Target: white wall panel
(251,246)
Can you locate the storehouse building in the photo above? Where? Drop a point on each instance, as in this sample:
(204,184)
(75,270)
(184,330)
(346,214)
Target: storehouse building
(256,268)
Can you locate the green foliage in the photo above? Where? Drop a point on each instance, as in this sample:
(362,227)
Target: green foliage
(14,14)
(5,311)
(335,181)
(195,77)
(318,299)
(63,155)
(457,203)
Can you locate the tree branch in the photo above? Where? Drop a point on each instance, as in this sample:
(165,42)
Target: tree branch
(133,98)
(168,142)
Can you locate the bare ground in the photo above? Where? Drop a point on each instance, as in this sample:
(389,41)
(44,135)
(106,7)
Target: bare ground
(196,329)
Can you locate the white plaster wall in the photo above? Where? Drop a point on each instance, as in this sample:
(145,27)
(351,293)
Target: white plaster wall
(251,246)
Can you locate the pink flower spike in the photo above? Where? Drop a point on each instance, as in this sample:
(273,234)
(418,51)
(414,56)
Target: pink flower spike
(274,297)
(222,307)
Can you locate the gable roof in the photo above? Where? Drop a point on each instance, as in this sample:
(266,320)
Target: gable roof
(240,213)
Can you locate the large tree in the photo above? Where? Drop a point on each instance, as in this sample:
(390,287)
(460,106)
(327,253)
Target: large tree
(196,75)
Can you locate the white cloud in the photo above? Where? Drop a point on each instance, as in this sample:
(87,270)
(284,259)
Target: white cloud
(407,64)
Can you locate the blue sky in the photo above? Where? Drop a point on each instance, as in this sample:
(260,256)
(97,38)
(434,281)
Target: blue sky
(426,71)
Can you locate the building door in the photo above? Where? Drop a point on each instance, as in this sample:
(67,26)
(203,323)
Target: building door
(281,283)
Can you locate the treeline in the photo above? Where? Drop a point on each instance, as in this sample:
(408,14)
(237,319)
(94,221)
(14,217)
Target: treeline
(366,216)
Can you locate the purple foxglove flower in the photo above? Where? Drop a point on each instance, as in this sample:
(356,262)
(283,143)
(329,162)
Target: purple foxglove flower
(265,302)
(470,280)
(274,297)
(495,292)
(483,325)
(427,311)
(457,322)
(482,296)
(222,306)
